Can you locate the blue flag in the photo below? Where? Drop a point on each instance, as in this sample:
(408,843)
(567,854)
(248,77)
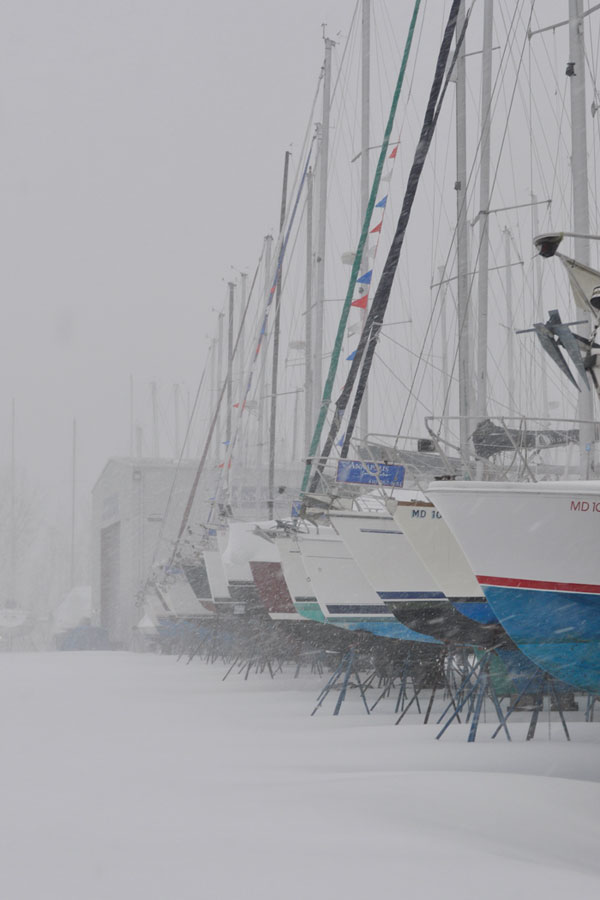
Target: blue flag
(366,278)
(382,202)
(351,357)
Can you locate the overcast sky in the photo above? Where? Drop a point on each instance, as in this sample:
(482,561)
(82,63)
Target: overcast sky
(140,158)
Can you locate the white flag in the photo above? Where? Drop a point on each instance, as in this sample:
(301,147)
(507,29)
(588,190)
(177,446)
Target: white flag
(585,282)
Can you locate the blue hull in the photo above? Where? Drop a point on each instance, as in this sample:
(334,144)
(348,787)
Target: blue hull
(393,629)
(558,630)
(476,612)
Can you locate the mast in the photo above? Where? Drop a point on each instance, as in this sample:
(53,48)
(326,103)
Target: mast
(293,455)
(131,416)
(213,384)
(240,340)
(308,341)
(581,213)
(155,435)
(509,325)
(465,361)
(260,438)
(219,429)
(444,329)
(73,501)
(231,288)
(275,368)
(365,351)
(484,203)
(339,337)
(539,306)
(242,449)
(176,418)
(322,225)
(364,170)
(12,594)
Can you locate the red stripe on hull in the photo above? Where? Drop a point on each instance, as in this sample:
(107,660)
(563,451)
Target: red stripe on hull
(540,585)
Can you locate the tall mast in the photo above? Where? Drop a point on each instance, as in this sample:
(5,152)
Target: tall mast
(309,419)
(322,225)
(293,454)
(176,429)
(539,306)
(309,422)
(260,438)
(275,368)
(12,595)
(155,434)
(509,324)
(213,384)
(219,428)
(231,288)
(131,416)
(465,361)
(242,440)
(581,212)
(444,329)
(364,169)
(73,501)
(484,203)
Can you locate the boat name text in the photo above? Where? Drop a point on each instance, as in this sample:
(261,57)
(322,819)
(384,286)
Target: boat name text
(585,506)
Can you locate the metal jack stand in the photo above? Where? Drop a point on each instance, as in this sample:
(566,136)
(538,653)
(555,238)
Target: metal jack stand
(342,678)
(406,675)
(543,686)
(589,710)
(475,695)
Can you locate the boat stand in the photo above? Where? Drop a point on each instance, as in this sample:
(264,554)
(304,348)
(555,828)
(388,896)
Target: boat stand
(258,659)
(405,676)
(543,687)
(473,693)
(313,657)
(589,709)
(198,647)
(340,679)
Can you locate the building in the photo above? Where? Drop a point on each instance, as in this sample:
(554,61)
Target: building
(137,509)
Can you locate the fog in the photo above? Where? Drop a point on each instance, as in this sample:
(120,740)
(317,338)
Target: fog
(139,144)
(196,707)
(142,151)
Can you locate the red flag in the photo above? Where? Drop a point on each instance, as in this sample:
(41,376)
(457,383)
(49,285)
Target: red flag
(377,229)
(361,303)
(393,153)
(236,405)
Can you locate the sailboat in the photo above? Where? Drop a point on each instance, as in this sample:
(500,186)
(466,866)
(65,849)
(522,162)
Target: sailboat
(436,546)
(533,545)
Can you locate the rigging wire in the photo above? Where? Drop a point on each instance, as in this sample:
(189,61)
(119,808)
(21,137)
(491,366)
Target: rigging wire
(327,391)
(475,264)
(374,321)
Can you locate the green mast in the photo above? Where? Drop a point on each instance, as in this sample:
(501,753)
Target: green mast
(337,347)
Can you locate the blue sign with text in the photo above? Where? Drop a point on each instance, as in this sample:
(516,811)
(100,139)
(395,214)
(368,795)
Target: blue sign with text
(355,471)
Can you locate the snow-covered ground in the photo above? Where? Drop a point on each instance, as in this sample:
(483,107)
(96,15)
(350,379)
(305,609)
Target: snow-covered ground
(133,776)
